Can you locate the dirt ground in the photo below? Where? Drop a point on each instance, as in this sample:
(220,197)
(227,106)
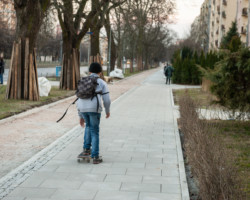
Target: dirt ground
(23,137)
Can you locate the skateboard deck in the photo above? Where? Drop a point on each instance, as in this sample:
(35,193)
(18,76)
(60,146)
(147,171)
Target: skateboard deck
(81,156)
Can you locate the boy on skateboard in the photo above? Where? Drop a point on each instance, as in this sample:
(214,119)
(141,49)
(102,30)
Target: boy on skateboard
(89,111)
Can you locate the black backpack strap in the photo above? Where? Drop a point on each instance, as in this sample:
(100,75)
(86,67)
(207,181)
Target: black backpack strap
(96,95)
(66,111)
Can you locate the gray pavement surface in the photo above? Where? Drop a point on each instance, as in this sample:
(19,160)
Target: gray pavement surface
(140,146)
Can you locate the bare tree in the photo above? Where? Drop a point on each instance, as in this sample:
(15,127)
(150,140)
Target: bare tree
(22,81)
(75,18)
(143,22)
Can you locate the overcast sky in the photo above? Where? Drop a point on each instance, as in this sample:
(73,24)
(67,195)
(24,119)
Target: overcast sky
(187,10)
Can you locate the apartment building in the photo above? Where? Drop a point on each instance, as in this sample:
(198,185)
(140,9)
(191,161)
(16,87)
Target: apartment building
(243,20)
(216,18)
(223,13)
(7,14)
(205,24)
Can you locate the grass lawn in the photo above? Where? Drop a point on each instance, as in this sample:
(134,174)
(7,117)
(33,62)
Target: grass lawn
(11,107)
(236,136)
(203,99)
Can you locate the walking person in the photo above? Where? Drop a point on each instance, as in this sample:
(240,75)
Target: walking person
(89,111)
(168,73)
(1,69)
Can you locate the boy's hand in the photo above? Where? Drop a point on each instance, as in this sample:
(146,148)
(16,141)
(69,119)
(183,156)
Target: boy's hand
(82,122)
(107,115)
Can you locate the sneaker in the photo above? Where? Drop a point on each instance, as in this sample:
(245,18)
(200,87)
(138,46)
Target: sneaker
(86,152)
(97,160)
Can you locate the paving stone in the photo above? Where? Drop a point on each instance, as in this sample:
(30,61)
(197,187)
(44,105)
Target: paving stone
(114,195)
(123,178)
(158,196)
(141,187)
(86,177)
(48,169)
(13,198)
(147,160)
(109,171)
(160,180)
(139,172)
(171,188)
(32,182)
(77,169)
(60,184)
(73,194)
(129,165)
(170,172)
(32,192)
(101,186)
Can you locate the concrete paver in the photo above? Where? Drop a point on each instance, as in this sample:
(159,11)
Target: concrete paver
(141,151)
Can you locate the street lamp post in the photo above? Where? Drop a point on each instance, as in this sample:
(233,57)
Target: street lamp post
(109,63)
(89,49)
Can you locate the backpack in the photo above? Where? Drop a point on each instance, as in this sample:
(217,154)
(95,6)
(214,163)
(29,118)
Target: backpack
(86,87)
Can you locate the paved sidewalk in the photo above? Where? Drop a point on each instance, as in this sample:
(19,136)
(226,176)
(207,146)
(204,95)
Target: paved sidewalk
(141,151)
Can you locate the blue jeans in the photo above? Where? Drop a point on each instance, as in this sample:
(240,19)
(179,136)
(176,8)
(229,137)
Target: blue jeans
(1,78)
(91,136)
(168,79)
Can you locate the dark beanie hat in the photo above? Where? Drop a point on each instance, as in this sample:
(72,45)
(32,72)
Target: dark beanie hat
(95,68)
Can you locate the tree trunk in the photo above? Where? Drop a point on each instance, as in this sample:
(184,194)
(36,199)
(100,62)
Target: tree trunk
(113,55)
(22,80)
(95,42)
(71,67)
(146,58)
(139,62)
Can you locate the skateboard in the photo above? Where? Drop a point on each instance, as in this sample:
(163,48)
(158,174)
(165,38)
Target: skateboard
(84,157)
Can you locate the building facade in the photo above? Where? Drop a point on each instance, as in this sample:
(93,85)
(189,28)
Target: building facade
(243,20)
(216,18)
(223,13)
(7,14)
(205,16)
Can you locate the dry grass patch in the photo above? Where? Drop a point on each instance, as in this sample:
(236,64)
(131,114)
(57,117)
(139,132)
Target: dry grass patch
(203,99)
(11,107)
(212,163)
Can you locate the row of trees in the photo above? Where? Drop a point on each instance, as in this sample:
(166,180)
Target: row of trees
(135,28)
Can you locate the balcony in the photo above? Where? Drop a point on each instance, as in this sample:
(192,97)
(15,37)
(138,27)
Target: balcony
(217,19)
(218,9)
(244,12)
(214,2)
(223,27)
(224,15)
(224,2)
(216,43)
(243,30)
(217,32)
(212,23)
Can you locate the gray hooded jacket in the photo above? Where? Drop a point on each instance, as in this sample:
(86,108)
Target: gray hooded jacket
(88,105)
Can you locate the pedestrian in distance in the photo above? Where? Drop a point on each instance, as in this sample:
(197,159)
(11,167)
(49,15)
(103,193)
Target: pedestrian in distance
(1,69)
(89,111)
(168,71)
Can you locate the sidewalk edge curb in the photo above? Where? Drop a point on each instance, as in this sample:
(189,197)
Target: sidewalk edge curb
(183,179)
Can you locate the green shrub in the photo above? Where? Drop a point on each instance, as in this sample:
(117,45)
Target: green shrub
(231,80)
(186,70)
